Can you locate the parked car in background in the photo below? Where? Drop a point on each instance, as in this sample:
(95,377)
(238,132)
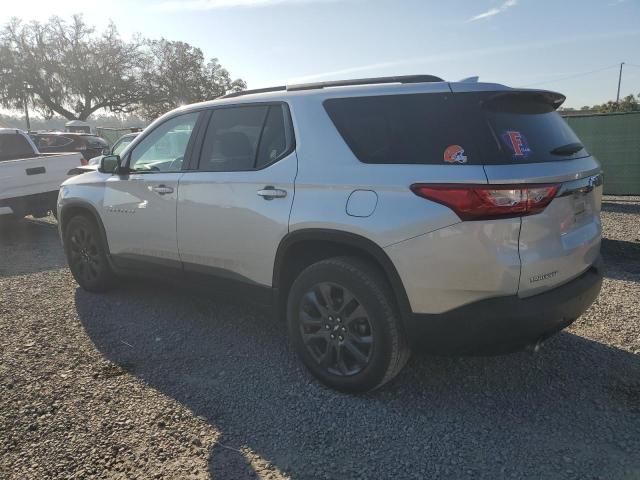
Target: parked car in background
(87,144)
(118,147)
(29,180)
(377,215)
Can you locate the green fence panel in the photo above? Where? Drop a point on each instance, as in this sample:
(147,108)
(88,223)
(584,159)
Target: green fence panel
(614,139)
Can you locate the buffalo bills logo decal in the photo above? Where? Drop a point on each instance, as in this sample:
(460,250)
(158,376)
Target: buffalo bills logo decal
(455,154)
(517,143)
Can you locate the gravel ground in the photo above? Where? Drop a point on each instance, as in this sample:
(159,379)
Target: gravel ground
(152,382)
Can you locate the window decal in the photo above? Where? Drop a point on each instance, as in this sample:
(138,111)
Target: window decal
(517,143)
(455,154)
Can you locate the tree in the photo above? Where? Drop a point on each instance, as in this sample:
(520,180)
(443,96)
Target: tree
(178,75)
(627,104)
(64,68)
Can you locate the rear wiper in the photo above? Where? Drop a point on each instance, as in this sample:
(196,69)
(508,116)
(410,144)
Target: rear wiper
(567,149)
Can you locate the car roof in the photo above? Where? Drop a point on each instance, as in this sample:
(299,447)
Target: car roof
(378,86)
(77,134)
(9,131)
(358,87)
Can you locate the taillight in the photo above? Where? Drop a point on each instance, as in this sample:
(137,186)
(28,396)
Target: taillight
(477,202)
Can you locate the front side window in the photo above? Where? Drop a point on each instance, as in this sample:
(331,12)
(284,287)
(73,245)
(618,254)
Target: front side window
(163,150)
(245,138)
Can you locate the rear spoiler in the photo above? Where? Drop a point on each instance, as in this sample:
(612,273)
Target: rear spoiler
(546,97)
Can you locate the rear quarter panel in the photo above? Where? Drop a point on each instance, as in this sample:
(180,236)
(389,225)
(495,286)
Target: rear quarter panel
(443,262)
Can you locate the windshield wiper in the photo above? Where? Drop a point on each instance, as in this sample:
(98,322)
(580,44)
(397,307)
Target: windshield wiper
(567,149)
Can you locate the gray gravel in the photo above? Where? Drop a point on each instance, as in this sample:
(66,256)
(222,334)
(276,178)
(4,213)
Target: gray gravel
(152,382)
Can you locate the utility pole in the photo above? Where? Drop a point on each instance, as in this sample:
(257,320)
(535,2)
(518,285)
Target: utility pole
(619,81)
(26,114)
(25,102)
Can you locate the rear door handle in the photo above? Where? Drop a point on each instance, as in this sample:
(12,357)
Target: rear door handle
(162,189)
(269,193)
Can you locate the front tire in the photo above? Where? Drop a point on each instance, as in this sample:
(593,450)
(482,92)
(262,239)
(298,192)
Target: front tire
(344,325)
(87,255)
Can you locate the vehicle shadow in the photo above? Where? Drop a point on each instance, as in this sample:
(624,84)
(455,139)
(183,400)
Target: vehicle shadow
(621,258)
(572,407)
(619,206)
(28,246)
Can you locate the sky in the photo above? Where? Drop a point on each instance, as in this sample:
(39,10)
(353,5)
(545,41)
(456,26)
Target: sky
(572,46)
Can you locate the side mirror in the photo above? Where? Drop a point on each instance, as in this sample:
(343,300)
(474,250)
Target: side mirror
(109,163)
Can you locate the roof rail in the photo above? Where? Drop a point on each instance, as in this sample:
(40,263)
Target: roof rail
(340,83)
(255,90)
(366,81)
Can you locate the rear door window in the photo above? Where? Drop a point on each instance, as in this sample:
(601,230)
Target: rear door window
(404,129)
(247,137)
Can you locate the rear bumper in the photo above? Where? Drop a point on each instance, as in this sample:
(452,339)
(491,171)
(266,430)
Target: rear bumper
(505,324)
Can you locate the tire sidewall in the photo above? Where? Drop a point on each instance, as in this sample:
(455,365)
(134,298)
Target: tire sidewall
(103,280)
(375,303)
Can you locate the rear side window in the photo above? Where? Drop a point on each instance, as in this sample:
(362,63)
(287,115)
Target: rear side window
(14,146)
(57,142)
(273,142)
(245,138)
(404,129)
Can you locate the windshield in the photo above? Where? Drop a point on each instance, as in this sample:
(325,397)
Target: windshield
(121,145)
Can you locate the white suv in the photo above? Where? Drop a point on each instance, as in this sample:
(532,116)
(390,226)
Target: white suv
(379,214)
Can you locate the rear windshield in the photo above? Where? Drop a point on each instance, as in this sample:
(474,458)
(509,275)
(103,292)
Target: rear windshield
(474,128)
(525,129)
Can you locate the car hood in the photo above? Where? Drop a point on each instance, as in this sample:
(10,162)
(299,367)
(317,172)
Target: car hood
(85,174)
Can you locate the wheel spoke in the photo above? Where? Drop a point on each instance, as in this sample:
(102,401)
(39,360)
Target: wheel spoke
(360,358)
(308,320)
(312,297)
(324,292)
(75,243)
(326,359)
(358,313)
(92,270)
(340,363)
(349,302)
(362,339)
(318,334)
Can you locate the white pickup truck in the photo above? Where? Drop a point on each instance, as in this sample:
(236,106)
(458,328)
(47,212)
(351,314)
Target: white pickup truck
(30,180)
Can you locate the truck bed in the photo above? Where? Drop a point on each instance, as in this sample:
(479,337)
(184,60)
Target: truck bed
(33,178)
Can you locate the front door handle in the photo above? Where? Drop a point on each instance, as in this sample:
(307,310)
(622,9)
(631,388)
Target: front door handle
(162,189)
(269,193)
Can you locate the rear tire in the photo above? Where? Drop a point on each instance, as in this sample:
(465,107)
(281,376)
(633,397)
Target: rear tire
(87,255)
(344,325)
